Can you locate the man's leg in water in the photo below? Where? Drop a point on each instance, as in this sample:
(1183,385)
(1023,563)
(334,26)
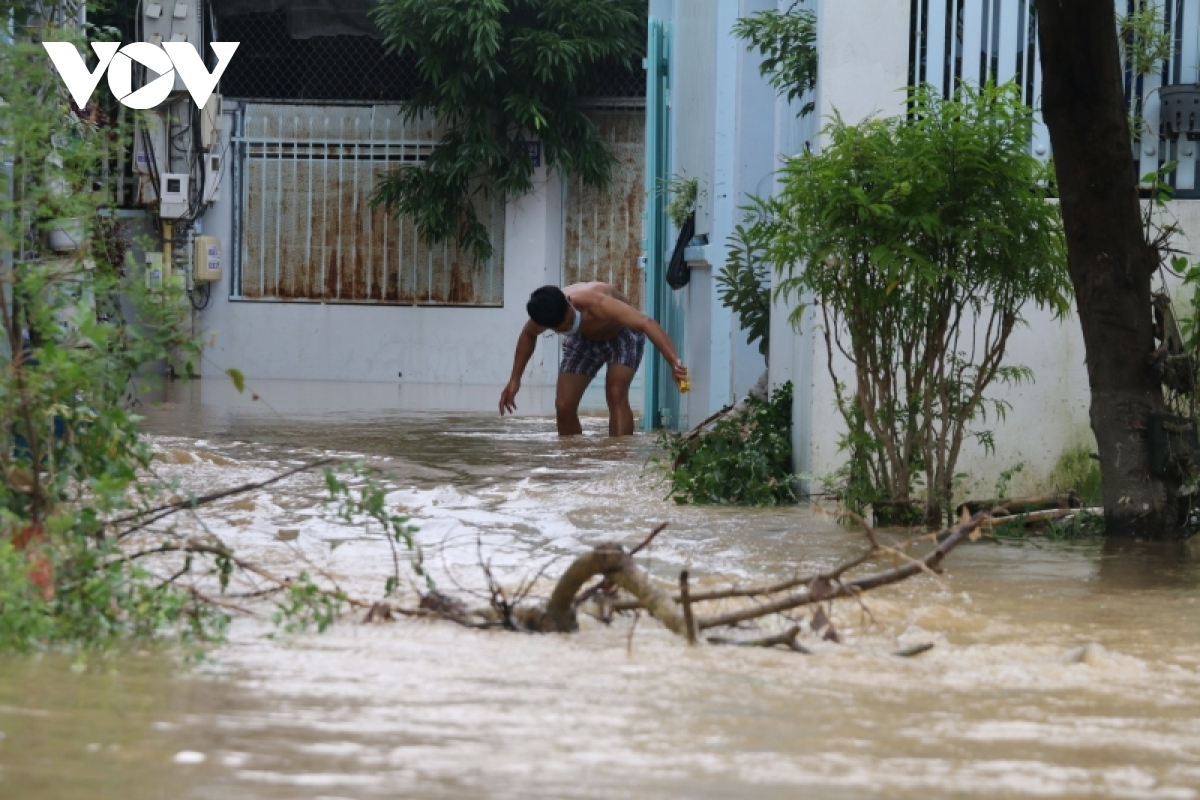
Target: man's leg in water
(616,392)
(571,386)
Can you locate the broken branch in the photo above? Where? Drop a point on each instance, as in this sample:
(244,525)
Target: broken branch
(822,589)
(787,639)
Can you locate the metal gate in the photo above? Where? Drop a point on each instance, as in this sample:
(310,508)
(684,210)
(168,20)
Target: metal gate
(304,226)
(602,230)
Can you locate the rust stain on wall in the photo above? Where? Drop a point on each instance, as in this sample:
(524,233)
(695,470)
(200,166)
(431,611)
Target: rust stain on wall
(603,229)
(308,231)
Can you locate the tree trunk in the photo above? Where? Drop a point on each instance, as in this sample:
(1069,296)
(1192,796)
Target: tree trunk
(1109,260)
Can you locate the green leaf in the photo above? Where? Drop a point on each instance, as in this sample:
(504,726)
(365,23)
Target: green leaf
(239,380)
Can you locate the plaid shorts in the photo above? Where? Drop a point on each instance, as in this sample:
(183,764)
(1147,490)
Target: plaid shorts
(586,356)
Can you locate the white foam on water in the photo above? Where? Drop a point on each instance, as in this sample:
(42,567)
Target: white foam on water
(1020,696)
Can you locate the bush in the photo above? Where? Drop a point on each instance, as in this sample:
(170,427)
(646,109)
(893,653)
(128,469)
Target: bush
(744,460)
(920,239)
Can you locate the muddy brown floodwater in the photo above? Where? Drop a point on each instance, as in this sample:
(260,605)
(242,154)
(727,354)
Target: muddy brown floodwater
(1059,669)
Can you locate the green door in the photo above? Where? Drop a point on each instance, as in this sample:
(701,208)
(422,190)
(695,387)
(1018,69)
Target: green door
(661,408)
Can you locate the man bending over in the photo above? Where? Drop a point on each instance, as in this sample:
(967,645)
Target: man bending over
(601,327)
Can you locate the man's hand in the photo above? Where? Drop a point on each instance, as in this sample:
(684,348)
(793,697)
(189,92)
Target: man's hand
(508,398)
(679,373)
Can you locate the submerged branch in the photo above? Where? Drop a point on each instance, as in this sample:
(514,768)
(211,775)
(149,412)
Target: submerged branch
(150,516)
(220,551)
(613,562)
(787,639)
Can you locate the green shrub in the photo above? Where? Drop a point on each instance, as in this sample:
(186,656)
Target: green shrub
(744,286)
(920,240)
(744,460)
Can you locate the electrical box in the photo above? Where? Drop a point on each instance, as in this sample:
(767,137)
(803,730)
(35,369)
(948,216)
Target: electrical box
(212,177)
(156,272)
(172,195)
(208,258)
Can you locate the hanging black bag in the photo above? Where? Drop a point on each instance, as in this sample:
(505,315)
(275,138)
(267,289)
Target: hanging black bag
(678,272)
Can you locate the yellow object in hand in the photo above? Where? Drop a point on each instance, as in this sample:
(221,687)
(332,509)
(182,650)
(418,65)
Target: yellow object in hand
(684,386)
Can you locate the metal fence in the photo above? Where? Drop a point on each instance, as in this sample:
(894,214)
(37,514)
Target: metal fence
(304,224)
(274,64)
(271,64)
(981,40)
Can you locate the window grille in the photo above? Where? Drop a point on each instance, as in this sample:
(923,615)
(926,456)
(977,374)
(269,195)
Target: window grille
(981,40)
(304,224)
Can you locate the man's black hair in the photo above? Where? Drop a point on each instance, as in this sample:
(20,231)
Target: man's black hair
(548,306)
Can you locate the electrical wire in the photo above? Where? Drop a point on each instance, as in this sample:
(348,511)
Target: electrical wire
(152,161)
(204,291)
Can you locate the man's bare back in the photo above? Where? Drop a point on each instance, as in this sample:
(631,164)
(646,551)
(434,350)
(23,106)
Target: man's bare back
(588,298)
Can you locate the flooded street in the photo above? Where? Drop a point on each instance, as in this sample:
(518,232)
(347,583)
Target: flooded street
(1059,669)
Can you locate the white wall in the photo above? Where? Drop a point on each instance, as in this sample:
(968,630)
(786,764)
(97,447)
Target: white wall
(863,57)
(740,137)
(862,71)
(371,346)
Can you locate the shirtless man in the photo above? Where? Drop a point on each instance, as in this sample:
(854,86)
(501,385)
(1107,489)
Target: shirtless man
(601,327)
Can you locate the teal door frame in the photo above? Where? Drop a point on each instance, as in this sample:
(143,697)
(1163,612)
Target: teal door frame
(661,405)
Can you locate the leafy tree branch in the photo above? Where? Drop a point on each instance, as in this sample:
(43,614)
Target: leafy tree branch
(499,74)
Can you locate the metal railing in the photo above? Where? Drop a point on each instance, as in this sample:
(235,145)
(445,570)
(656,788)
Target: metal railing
(981,40)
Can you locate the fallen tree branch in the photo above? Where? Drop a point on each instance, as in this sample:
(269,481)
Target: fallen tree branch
(1038,517)
(732,411)
(613,562)
(646,542)
(789,583)
(688,621)
(1020,505)
(219,603)
(787,639)
(822,588)
(224,552)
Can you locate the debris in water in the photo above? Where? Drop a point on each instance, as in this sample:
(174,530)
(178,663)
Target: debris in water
(189,757)
(1092,654)
(443,604)
(915,650)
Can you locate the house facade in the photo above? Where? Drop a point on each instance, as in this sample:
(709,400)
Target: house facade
(321,299)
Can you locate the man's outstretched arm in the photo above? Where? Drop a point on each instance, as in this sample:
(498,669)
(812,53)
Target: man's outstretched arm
(526,343)
(630,317)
